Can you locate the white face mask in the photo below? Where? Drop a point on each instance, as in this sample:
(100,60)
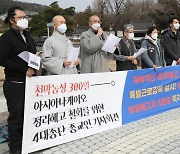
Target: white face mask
(130,36)
(22,24)
(96,26)
(62,28)
(176,26)
(154,36)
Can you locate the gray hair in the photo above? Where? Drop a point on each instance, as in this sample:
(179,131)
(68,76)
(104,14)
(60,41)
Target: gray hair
(126,27)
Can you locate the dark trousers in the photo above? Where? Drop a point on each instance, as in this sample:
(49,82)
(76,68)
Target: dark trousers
(15,95)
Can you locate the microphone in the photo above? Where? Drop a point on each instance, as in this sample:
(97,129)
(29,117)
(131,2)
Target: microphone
(102,37)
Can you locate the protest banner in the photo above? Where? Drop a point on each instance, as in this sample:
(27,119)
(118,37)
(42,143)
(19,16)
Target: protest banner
(148,92)
(63,108)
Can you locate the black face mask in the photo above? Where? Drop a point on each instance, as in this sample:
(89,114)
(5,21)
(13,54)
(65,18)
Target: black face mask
(95,32)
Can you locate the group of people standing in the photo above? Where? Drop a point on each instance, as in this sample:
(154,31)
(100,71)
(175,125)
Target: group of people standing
(156,54)
(56,49)
(94,59)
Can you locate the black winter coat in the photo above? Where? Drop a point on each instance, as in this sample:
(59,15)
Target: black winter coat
(11,45)
(171,47)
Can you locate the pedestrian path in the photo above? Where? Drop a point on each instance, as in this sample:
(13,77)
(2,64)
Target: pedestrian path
(159,134)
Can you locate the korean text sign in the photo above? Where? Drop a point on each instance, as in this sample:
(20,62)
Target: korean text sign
(148,92)
(62,108)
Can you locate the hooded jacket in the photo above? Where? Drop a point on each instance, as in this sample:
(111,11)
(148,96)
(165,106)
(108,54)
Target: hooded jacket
(154,54)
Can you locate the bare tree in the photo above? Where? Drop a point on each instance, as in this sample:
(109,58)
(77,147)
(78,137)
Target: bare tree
(110,12)
(116,13)
(164,11)
(138,10)
(172,7)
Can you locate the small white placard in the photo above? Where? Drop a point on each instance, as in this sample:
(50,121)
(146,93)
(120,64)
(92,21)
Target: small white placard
(111,43)
(73,55)
(174,63)
(32,59)
(140,51)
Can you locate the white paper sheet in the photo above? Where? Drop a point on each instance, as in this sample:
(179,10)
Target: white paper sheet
(25,56)
(32,59)
(73,55)
(111,43)
(140,51)
(174,63)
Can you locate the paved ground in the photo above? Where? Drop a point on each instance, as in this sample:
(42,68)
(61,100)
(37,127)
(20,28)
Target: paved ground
(159,134)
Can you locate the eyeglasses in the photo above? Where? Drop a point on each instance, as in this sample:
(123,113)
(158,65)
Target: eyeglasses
(22,17)
(97,21)
(63,22)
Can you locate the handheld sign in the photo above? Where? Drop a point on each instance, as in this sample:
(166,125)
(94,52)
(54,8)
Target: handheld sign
(32,59)
(73,55)
(111,43)
(140,51)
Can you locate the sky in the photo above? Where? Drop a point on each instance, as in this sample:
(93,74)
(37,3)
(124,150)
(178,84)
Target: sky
(80,5)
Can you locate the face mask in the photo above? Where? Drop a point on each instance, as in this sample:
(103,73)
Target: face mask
(96,26)
(176,26)
(62,28)
(22,24)
(130,36)
(154,36)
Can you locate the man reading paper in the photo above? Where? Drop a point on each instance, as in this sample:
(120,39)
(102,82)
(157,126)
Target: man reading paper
(124,55)
(93,58)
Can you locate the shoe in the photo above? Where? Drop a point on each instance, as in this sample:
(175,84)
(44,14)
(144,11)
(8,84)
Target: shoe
(15,152)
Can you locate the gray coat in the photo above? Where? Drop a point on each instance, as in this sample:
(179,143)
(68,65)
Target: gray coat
(93,59)
(154,54)
(55,49)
